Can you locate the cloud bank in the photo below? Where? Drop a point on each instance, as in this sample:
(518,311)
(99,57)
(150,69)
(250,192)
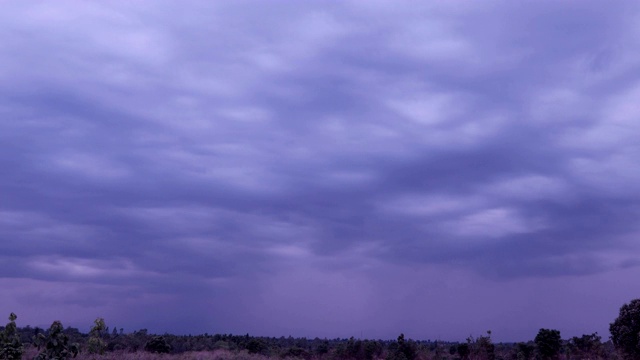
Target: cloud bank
(320,169)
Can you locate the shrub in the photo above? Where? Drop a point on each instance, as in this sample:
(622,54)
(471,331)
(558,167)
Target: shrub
(158,344)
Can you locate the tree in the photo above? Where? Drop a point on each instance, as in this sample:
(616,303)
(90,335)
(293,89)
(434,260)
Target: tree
(481,348)
(625,330)
(10,344)
(548,343)
(56,344)
(95,344)
(524,351)
(322,348)
(464,351)
(402,349)
(586,347)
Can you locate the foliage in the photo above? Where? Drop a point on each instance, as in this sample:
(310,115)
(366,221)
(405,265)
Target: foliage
(96,344)
(625,330)
(482,348)
(322,348)
(10,344)
(355,349)
(372,349)
(159,345)
(525,351)
(296,352)
(464,351)
(244,347)
(56,344)
(548,343)
(586,347)
(256,346)
(402,349)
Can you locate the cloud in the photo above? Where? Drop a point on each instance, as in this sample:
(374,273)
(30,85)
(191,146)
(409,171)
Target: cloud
(250,157)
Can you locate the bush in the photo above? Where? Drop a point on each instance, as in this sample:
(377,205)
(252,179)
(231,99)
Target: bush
(256,346)
(159,345)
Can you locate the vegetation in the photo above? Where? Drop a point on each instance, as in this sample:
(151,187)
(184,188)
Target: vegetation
(402,349)
(63,343)
(481,348)
(625,330)
(158,345)
(586,347)
(548,343)
(96,344)
(10,344)
(56,344)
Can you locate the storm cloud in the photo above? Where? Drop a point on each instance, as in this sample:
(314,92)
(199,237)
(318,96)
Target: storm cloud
(320,168)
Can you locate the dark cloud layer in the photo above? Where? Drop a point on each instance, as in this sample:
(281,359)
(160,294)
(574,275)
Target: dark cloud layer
(320,169)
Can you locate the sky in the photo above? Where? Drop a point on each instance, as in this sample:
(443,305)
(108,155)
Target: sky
(320,168)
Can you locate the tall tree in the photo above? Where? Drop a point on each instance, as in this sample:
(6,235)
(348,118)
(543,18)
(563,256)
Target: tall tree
(548,343)
(625,330)
(10,345)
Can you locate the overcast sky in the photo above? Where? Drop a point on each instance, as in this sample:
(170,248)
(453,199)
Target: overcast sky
(330,169)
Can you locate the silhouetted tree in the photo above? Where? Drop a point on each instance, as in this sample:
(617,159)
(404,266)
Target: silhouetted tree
(525,351)
(548,343)
(372,349)
(402,349)
(625,330)
(464,351)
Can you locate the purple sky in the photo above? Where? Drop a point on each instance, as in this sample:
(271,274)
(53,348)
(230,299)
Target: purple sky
(326,169)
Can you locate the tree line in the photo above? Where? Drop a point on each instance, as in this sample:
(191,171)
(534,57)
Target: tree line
(59,342)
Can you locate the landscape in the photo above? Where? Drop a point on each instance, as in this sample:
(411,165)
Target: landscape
(59,342)
(320,179)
